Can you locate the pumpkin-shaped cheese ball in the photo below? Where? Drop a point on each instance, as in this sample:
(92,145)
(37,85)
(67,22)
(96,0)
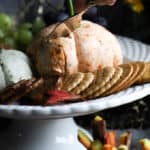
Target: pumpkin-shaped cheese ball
(69,47)
(96,47)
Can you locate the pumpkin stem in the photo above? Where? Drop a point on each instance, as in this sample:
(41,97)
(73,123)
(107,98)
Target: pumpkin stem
(71,8)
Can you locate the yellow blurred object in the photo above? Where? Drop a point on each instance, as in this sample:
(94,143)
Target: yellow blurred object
(136,5)
(130,1)
(84,139)
(123,147)
(145,144)
(133,1)
(96,145)
(114,148)
(98,118)
(139,7)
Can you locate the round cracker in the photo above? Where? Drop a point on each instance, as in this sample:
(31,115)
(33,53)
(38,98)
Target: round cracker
(102,77)
(71,81)
(146,76)
(87,80)
(109,84)
(138,70)
(127,72)
(133,75)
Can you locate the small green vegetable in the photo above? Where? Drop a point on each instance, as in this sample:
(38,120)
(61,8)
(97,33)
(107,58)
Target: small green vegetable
(6,22)
(84,139)
(25,26)
(24,37)
(96,145)
(38,25)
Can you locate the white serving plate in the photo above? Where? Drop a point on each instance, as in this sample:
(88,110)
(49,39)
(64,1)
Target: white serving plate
(56,134)
(132,50)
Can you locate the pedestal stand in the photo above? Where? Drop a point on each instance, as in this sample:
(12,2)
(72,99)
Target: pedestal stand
(58,134)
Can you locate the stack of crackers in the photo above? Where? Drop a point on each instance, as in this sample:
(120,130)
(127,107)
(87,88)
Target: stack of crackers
(107,81)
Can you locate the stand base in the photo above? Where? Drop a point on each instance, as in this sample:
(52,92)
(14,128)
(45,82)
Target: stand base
(60,134)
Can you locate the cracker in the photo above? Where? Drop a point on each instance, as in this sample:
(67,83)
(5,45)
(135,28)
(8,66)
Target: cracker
(102,77)
(146,76)
(127,72)
(109,84)
(71,81)
(87,80)
(142,69)
(133,75)
(139,68)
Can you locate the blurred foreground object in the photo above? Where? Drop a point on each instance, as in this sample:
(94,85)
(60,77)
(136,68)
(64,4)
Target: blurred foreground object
(105,139)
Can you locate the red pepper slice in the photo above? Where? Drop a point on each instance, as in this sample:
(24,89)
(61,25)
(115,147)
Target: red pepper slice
(59,96)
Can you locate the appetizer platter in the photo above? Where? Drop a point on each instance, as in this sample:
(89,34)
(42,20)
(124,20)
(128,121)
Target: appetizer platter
(131,49)
(48,134)
(71,69)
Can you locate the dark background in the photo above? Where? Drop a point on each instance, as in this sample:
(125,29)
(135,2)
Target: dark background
(119,19)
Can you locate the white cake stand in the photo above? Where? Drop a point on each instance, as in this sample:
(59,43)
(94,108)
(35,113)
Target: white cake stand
(52,128)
